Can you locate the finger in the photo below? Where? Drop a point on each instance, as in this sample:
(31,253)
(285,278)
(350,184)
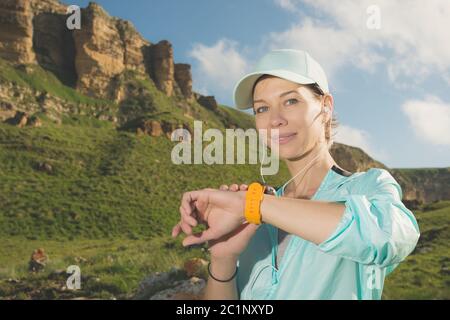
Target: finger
(234,187)
(186,228)
(198,238)
(188,199)
(243,187)
(223,187)
(187,218)
(176,230)
(186,203)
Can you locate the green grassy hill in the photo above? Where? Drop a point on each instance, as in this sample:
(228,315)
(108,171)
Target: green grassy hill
(110,197)
(94,193)
(102,182)
(425,274)
(104,179)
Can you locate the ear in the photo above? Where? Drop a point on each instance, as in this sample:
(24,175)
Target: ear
(328,100)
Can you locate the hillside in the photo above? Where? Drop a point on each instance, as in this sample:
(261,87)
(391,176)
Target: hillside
(425,274)
(85,159)
(91,180)
(116,268)
(108,71)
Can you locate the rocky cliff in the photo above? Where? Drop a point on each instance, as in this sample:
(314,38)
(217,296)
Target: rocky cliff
(90,59)
(424,185)
(108,70)
(419,186)
(16,31)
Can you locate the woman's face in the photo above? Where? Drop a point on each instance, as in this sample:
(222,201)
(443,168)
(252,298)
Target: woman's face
(294,110)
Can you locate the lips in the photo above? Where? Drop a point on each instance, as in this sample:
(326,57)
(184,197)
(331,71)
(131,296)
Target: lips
(284,138)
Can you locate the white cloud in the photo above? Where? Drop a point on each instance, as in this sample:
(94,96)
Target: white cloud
(430,119)
(412,43)
(289,5)
(311,37)
(203,91)
(218,66)
(359,138)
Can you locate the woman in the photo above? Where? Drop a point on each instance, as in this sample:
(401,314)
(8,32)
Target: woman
(327,233)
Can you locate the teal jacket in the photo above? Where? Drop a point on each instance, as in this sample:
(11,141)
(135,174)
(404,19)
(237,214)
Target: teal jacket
(375,234)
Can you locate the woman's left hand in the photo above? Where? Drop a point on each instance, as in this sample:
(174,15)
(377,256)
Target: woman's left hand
(223,212)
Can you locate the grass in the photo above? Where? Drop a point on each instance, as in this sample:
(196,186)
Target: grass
(110,268)
(112,193)
(111,197)
(425,274)
(154,104)
(103,182)
(33,76)
(113,267)
(109,193)
(150,103)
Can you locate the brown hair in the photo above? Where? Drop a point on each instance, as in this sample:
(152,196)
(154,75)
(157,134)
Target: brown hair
(318,92)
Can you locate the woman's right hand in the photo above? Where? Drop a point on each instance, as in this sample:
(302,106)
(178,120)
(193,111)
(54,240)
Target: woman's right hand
(232,244)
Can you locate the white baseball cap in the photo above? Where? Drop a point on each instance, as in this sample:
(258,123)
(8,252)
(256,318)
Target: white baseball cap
(293,65)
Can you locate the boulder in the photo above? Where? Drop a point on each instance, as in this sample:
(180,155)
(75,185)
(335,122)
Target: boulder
(176,284)
(38,260)
(45,167)
(35,122)
(196,267)
(20,119)
(191,289)
(149,127)
(209,102)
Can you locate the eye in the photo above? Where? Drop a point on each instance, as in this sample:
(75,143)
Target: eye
(261,109)
(295,101)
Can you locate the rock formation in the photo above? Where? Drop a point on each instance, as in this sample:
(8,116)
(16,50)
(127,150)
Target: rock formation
(100,59)
(185,283)
(93,58)
(38,260)
(209,102)
(54,46)
(16,31)
(183,77)
(161,66)
(100,53)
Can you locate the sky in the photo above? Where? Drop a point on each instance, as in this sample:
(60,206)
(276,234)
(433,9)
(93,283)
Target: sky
(387,61)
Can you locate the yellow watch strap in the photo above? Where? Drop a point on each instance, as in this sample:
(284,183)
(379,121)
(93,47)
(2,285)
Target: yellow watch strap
(253,198)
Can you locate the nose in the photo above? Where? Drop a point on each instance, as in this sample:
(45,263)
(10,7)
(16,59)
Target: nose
(277,119)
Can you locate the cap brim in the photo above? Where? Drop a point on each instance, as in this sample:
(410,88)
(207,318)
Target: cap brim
(242,92)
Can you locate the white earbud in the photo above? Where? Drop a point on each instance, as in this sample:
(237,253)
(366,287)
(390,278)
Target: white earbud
(326,109)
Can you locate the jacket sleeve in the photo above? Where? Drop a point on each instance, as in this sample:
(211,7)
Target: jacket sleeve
(376,227)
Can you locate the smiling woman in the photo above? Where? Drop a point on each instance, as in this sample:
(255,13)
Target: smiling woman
(314,89)
(326,233)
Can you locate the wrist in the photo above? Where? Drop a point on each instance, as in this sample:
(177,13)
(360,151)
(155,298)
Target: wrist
(242,195)
(253,198)
(268,206)
(232,259)
(222,269)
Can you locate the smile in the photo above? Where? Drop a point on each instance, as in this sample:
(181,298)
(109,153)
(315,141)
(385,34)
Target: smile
(283,139)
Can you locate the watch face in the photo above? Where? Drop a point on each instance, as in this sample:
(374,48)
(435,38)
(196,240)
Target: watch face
(270,190)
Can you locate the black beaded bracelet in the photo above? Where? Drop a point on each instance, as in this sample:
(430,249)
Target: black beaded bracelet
(232,277)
